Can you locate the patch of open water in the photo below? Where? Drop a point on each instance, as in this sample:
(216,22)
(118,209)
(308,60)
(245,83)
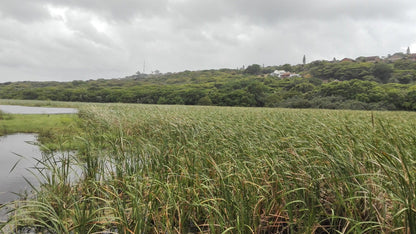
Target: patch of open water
(18,152)
(19,155)
(15,109)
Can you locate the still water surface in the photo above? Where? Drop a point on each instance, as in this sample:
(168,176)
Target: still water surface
(20,149)
(14,109)
(19,155)
(17,148)
(19,152)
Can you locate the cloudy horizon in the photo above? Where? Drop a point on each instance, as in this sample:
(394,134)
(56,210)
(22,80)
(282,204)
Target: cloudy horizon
(55,40)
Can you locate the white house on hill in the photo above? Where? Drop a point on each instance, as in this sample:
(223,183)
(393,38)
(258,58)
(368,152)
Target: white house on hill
(284,74)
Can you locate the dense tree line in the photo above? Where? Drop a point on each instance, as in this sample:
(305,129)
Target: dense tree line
(323,84)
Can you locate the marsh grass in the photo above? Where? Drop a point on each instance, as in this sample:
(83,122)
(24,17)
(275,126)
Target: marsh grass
(176,169)
(54,130)
(5,116)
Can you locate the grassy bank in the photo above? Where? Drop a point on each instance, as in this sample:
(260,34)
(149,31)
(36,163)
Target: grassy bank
(14,123)
(177,169)
(54,131)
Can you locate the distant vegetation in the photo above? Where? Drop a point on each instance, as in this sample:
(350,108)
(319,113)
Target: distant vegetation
(365,83)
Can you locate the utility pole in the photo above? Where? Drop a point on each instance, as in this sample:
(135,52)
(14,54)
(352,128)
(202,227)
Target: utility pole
(144,66)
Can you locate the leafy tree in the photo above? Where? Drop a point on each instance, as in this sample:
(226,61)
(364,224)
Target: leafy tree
(238,98)
(258,91)
(30,94)
(273,100)
(191,96)
(297,102)
(382,71)
(304,87)
(404,64)
(205,101)
(286,67)
(253,69)
(410,101)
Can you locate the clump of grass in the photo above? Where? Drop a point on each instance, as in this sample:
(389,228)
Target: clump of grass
(176,169)
(5,116)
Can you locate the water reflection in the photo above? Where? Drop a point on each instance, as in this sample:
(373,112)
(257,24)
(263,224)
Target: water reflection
(14,109)
(17,151)
(19,155)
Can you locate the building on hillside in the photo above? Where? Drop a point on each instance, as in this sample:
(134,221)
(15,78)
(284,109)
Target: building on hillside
(284,74)
(411,57)
(347,60)
(278,73)
(372,59)
(395,57)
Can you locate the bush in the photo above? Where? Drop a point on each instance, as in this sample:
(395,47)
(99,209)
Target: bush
(5,116)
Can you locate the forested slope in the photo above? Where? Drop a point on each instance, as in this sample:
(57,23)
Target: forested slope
(322,84)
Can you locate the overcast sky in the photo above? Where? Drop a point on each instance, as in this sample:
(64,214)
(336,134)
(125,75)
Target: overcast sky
(67,40)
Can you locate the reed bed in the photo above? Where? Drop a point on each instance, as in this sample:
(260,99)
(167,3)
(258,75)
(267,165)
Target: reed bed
(177,169)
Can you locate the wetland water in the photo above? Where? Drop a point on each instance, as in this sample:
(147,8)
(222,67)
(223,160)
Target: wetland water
(20,148)
(14,109)
(17,148)
(19,155)
(19,152)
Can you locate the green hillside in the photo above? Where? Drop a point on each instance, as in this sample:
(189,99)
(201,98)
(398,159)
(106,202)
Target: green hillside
(359,84)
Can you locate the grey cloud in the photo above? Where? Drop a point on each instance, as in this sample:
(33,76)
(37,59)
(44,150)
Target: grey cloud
(124,10)
(271,11)
(174,35)
(27,11)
